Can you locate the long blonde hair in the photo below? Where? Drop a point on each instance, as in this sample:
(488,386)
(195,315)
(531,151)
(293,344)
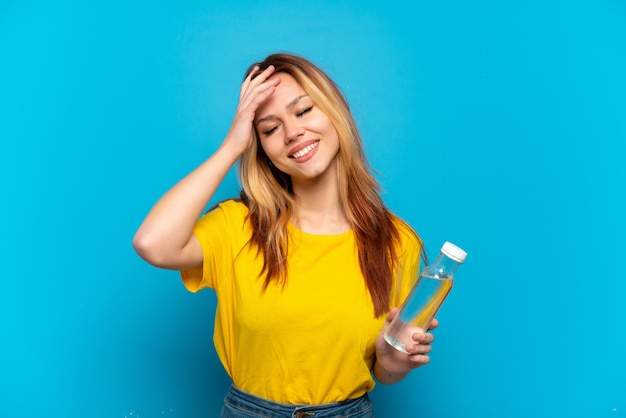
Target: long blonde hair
(268,194)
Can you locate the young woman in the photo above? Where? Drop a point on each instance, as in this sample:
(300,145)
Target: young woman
(308,262)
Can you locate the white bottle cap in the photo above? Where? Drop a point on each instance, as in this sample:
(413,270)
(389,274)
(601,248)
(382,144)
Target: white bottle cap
(454,252)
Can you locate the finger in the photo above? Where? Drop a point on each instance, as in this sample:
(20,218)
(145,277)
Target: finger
(418,355)
(266,73)
(392,314)
(433,324)
(251,100)
(260,79)
(246,82)
(420,338)
(418,349)
(419,360)
(256,94)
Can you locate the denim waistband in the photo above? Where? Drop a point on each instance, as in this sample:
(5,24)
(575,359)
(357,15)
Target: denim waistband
(240,404)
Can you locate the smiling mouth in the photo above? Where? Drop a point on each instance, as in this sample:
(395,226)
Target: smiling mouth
(304,151)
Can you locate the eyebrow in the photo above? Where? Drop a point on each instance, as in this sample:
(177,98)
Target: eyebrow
(289,105)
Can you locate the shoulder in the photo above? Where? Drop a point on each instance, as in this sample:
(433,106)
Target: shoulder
(227,212)
(409,240)
(405,230)
(232,206)
(228,208)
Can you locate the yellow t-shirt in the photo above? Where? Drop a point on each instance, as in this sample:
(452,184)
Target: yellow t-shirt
(311,342)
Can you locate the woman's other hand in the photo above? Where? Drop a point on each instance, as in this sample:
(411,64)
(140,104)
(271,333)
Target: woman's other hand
(393,365)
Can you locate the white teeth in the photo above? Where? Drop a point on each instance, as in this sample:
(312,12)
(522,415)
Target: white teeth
(304,151)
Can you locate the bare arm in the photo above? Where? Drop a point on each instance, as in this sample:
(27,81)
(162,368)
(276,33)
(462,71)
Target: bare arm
(165,238)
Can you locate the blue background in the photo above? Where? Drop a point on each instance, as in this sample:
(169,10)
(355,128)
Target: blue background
(500,126)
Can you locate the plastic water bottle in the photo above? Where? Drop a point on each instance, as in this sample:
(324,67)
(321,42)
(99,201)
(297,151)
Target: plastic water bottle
(432,286)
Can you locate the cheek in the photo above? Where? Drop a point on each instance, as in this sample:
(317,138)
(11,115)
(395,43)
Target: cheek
(327,126)
(331,132)
(270,147)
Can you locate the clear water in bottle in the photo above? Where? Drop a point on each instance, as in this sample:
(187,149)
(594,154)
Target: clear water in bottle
(419,309)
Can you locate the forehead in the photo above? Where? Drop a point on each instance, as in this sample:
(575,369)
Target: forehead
(287,84)
(285,93)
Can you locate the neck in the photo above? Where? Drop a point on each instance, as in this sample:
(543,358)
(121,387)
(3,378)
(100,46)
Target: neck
(319,209)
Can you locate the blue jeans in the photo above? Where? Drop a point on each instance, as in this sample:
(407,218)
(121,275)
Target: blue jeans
(239,404)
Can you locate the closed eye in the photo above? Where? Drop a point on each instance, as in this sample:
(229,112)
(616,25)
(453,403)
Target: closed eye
(269,131)
(303,112)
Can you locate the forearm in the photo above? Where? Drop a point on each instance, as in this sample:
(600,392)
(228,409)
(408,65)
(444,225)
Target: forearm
(165,238)
(167,229)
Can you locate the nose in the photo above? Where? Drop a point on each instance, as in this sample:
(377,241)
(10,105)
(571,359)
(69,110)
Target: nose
(292,132)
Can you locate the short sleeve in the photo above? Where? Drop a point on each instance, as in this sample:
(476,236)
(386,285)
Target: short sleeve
(409,263)
(218,231)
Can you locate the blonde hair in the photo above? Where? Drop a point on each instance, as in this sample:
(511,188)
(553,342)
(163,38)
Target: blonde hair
(267,191)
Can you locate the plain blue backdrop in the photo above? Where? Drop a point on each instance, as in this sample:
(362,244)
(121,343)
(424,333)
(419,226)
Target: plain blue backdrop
(500,126)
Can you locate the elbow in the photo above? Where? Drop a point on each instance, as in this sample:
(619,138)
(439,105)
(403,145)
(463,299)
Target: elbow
(147,249)
(161,252)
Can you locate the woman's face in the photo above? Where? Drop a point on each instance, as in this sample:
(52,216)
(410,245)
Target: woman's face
(296,135)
